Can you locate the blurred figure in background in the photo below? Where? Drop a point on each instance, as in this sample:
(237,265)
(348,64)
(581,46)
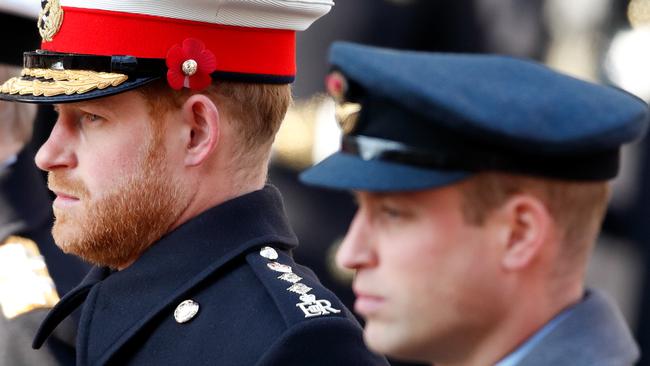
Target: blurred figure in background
(34,273)
(482,185)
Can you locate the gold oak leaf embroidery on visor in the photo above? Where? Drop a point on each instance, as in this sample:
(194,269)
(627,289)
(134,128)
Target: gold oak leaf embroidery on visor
(47,82)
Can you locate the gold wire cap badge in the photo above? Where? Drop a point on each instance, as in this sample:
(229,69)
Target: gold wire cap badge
(50,19)
(49,82)
(347,113)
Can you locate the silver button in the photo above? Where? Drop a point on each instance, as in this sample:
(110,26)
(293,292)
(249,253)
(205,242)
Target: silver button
(185,311)
(269,253)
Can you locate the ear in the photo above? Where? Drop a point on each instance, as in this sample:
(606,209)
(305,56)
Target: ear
(201,117)
(527,226)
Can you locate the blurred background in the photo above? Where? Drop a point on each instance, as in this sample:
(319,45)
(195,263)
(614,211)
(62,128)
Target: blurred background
(606,41)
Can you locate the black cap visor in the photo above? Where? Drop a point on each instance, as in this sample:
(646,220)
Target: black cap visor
(52,78)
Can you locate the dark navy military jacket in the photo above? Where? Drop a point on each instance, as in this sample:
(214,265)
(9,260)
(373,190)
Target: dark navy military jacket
(26,217)
(241,304)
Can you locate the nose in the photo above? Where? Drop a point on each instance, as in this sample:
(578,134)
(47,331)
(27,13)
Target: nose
(57,152)
(357,249)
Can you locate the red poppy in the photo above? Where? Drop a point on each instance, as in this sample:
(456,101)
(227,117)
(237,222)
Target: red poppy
(190,65)
(336,85)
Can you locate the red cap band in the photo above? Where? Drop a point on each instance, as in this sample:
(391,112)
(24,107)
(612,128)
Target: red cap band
(237,49)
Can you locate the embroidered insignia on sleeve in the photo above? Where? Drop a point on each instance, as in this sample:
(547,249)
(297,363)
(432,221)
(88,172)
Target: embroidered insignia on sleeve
(299,288)
(312,307)
(290,277)
(25,283)
(279,267)
(309,304)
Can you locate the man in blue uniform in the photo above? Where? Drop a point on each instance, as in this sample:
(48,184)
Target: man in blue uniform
(481,183)
(158,159)
(34,273)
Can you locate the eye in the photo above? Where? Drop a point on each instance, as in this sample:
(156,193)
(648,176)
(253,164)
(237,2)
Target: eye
(392,212)
(90,117)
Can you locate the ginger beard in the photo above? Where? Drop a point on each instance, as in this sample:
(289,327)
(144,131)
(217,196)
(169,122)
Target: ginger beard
(115,229)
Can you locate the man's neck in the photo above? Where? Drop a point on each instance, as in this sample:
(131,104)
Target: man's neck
(204,199)
(527,317)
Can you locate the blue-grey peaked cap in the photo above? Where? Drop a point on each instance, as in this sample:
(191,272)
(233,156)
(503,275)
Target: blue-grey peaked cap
(494,107)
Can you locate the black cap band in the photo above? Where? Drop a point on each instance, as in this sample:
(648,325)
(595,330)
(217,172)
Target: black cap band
(598,166)
(132,66)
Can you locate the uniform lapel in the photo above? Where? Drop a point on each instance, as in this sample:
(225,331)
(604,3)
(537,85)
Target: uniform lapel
(68,304)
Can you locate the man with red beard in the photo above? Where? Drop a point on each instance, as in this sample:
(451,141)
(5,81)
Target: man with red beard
(158,160)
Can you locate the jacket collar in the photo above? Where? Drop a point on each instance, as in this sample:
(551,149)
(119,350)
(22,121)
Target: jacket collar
(169,269)
(68,304)
(594,333)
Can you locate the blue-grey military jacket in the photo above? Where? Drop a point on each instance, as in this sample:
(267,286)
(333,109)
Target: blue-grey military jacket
(221,289)
(594,334)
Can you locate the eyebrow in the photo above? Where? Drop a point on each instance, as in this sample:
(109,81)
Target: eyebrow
(103,107)
(356,195)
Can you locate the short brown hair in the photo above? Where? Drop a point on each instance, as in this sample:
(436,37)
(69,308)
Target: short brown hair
(578,208)
(257,110)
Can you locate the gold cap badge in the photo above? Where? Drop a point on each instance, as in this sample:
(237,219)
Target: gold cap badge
(347,113)
(50,19)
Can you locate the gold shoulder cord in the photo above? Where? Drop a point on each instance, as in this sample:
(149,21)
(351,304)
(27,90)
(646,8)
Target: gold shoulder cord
(25,283)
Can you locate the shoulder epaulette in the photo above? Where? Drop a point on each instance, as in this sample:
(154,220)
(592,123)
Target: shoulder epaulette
(25,283)
(295,289)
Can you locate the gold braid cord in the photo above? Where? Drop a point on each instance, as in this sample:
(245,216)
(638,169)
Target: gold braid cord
(25,283)
(49,82)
